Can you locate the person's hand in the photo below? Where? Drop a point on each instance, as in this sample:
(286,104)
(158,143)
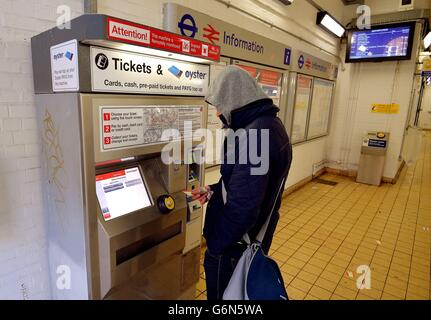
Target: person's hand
(202,194)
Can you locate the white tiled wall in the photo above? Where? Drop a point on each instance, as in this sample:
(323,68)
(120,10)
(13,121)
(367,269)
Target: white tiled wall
(359,87)
(23,260)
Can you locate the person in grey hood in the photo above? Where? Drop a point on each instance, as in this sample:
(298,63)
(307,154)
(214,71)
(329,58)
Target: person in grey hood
(242,200)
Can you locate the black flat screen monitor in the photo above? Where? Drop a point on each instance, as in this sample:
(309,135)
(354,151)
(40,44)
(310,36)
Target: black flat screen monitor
(381,43)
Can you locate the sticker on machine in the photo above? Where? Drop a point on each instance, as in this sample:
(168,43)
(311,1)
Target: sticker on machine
(130,127)
(64,66)
(120,71)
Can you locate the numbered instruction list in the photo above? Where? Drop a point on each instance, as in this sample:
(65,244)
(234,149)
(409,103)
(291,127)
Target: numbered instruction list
(137,126)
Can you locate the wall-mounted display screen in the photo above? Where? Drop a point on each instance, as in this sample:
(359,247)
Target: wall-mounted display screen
(381,43)
(121,192)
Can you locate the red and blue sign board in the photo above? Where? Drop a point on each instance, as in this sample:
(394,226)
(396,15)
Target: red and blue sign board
(137,34)
(188,27)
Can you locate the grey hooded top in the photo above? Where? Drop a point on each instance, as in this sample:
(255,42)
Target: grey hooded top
(233,89)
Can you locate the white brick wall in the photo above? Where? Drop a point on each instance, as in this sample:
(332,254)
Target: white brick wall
(23,259)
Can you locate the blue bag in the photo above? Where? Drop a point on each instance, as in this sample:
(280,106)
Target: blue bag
(256,276)
(264,280)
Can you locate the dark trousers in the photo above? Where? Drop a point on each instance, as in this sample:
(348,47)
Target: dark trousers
(219,270)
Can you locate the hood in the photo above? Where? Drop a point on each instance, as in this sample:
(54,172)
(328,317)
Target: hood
(233,89)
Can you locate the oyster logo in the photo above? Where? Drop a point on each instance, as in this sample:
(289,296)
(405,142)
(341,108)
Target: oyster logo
(190,75)
(176,72)
(68,55)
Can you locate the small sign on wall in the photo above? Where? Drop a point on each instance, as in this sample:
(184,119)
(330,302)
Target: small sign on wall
(426,68)
(393,108)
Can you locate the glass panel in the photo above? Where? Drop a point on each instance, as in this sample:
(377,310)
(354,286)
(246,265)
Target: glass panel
(302,104)
(320,108)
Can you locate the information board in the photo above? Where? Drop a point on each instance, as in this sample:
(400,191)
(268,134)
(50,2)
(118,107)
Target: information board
(302,105)
(268,80)
(388,42)
(320,108)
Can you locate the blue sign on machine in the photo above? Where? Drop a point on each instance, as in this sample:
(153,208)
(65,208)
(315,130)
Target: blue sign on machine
(377,143)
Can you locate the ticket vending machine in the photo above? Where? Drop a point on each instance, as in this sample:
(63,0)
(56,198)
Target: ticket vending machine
(114,101)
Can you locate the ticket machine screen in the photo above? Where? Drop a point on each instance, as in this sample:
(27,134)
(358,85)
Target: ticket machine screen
(121,192)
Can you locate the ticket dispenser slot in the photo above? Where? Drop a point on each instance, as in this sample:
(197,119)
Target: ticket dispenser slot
(194,168)
(195,176)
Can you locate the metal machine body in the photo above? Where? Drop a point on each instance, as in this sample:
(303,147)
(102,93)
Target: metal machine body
(119,224)
(138,255)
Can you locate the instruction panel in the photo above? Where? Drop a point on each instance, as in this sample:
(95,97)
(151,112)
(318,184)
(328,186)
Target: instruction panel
(127,127)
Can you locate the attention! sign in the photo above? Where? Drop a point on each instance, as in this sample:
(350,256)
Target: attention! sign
(125,31)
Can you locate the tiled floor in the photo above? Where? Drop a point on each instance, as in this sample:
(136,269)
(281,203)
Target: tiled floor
(327,232)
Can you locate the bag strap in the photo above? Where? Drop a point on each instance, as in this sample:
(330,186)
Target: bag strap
(264,228)
(262,231)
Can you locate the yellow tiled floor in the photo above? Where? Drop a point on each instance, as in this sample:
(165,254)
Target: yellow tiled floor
(326,232)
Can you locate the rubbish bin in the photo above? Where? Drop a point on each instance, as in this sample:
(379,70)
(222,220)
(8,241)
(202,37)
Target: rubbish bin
(373,157)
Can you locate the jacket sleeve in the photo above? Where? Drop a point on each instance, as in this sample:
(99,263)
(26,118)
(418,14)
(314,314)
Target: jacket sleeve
(245,194)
